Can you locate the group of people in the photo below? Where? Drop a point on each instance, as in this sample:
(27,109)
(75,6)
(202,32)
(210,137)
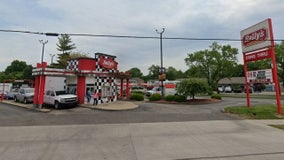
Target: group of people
(95,96)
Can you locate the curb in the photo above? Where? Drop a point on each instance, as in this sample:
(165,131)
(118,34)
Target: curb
(26,106)
(115,106)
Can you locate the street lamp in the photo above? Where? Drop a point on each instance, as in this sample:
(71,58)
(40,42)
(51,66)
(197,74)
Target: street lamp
(162,71)
(42,50)
(51,55)
(41,83)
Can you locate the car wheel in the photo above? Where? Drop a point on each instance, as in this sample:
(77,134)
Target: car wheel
(56,105)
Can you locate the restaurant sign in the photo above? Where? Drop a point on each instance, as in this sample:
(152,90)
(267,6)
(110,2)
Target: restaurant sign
(257,36)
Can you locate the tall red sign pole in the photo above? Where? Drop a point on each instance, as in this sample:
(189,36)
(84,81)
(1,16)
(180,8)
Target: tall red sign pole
(246,83)
(276,82)
(274,70)
(258,44)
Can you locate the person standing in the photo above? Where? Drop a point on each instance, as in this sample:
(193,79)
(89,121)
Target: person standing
(89,95)
(95,97)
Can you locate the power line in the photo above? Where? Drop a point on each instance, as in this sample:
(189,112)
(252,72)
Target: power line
(124,36)
(27,32)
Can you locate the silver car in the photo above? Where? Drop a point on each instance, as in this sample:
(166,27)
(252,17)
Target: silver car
(25,95)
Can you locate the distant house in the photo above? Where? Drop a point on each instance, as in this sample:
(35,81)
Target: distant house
(136,81)
(232,80)
(240,81)
(233,84)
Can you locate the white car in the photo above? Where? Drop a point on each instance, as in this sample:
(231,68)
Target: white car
(154,90)
(228,89)
(60,98)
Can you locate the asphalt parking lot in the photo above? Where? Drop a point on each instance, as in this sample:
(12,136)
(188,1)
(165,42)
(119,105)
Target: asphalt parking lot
(151,131)
(145,113)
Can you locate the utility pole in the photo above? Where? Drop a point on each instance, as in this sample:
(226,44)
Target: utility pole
(162,70)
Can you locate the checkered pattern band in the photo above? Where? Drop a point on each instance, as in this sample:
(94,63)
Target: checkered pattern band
(73,65)
(101,85)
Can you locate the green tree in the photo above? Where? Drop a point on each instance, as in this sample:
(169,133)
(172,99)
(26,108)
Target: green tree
(192,87)
(74,55)
(16,70)
(194,72)
(180,74)
(215,63)
(171,73)
(279,53)
(27,72)
(257,65)
(153,72)
(16,66)
(238,71)
(136,73)
(65,45)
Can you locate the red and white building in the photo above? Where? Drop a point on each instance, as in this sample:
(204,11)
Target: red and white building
(97,74)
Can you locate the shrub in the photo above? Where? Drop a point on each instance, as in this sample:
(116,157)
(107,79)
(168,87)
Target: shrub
(216,96)
(192,87)
(155,97)
(137,97)
(170,97)
(180,98)
(210,91)
(139,92)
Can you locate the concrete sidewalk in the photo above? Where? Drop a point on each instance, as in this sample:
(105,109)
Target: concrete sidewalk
(195,140)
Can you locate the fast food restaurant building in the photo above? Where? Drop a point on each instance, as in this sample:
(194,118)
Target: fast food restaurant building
(99,74)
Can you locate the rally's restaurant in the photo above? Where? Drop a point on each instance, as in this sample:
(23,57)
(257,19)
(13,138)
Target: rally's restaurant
(98,74)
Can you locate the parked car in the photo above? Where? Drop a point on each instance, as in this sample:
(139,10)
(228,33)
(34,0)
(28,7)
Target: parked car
(11,95)
(25,95)
(228,89)
(138,89)
(58,98)
(220,89)
(238,90)
(154,90)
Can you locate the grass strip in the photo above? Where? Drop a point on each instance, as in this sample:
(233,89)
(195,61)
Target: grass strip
(255,112)
(277,126)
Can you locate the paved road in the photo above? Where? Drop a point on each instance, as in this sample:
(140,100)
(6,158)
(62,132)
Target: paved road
(180,132)
(146,113)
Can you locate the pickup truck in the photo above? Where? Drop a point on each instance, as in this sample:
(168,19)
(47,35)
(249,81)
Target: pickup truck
(59,98)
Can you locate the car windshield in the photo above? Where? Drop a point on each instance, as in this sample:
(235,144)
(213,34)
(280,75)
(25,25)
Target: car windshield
(30,90)
(60,92)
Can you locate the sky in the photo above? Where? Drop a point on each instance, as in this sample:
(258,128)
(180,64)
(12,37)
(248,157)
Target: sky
(180,18)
